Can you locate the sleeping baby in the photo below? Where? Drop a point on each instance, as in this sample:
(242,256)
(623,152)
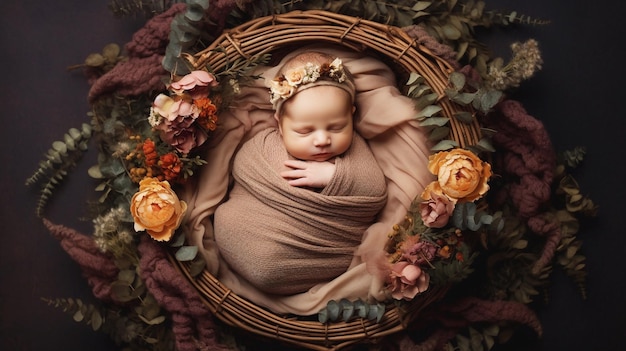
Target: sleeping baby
(303,192)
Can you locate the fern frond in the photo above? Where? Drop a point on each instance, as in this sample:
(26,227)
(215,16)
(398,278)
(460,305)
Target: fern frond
(59,160)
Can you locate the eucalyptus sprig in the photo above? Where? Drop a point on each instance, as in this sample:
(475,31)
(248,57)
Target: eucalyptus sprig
(58,161)
(345,310)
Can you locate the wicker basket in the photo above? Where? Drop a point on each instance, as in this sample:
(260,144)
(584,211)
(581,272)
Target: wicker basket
(272,34)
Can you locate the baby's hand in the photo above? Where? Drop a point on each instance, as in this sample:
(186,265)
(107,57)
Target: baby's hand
(308,173)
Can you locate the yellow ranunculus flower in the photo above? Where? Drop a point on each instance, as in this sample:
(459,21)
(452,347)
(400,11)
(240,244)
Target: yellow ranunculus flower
(157,209)
(461,175)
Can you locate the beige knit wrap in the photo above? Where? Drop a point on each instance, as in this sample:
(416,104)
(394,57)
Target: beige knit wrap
(285,239)
(385,118)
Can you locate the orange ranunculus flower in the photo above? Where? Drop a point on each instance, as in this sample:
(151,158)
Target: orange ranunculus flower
(461,175)
(156,209)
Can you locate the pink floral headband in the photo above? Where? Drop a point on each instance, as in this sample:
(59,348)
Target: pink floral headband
(307,76)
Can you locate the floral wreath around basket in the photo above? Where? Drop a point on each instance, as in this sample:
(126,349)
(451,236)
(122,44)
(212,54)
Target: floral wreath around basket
(468,259)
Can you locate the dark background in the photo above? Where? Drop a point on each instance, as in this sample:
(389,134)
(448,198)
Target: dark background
(579,95)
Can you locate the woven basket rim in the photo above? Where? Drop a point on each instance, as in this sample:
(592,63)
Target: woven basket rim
(269,34)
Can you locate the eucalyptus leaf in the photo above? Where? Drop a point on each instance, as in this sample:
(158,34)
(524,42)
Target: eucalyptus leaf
(489,99)
(60,146)
(421,5)
(434,121)
(127,276)
(333,310)
(429,111)
(78,316)
(485,145)
(112,168)
(464,116)
(123,185)
(418,90)
(424,101)
(179,240)
(204,4)
(151,340)
(96,320)
(361,308)
(194,13)
(94,60)
(322,315)
(94,172)
(197,266)
(414,77)
(464,98)
(450,31)
(154,321)
(439,133)
(186,253)
(111,52)
(121,292)
(520,244)
(347,309)
(458,80)
(445,144)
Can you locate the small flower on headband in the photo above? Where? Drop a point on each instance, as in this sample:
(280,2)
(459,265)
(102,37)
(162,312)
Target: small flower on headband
(285,86)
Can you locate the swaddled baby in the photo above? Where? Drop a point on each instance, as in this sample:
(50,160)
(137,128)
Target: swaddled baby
(304,192)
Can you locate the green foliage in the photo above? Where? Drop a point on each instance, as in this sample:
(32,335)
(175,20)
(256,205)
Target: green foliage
(58,161)
(425,100)
(465,93)
(101,62)
(345,310)
(80,312)
(479,338)
(140,327)
(187,30)
(111,118)
(450,22)
(573,158)
(467,216)
(148,8)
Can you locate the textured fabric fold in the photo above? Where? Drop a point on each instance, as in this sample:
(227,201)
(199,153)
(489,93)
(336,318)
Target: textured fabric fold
(285,239)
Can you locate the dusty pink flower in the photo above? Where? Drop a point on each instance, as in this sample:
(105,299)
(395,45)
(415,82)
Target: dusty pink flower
(407,280)
(436,210)
(172,108)
(418,252)
(182,133)
(197,84)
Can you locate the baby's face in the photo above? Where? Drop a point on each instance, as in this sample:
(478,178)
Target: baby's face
(317,123)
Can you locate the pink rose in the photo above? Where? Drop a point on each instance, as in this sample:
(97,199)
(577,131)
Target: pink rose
(437,208)
(407,280)
(171,109)
(197,84)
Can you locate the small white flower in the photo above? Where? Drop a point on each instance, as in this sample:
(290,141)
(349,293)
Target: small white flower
(155,118)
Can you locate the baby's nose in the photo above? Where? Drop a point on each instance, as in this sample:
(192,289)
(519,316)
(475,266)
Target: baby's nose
(322,138)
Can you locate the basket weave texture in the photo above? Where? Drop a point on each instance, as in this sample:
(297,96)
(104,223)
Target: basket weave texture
(294,29)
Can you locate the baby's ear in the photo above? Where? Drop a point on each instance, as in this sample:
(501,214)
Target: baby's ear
(277,119)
